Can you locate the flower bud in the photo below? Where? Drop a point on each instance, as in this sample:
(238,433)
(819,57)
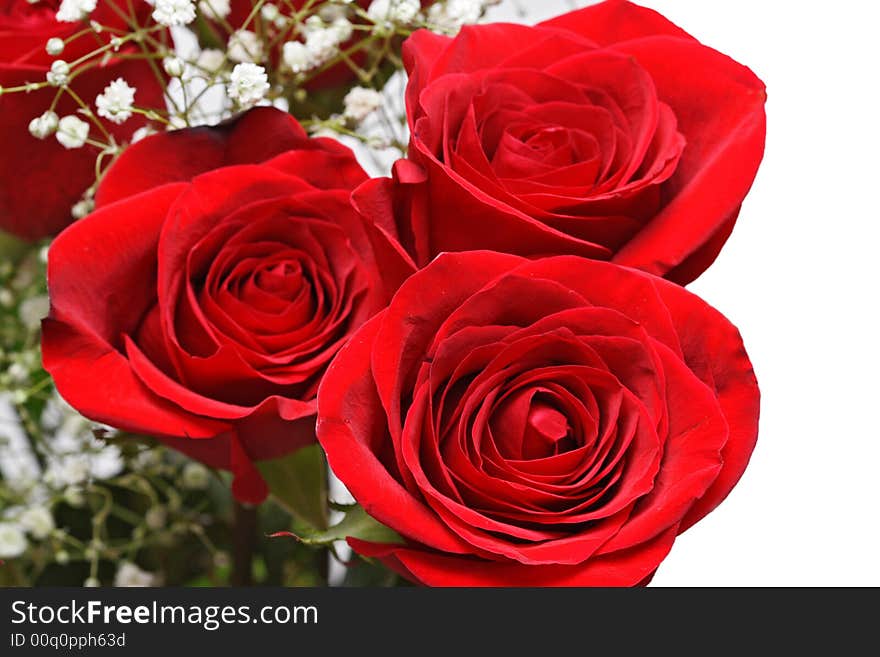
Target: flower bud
(44,125)
(173,66)
(55,46)
(58,74)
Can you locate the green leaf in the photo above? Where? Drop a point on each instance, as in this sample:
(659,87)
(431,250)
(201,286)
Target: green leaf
(298,482)
(357,523)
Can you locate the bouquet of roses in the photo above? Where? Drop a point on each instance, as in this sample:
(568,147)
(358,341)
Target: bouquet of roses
(491,347)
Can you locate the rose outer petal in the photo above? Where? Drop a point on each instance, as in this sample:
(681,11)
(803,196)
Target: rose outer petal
(430,568)
(616,20)
(719,105)
(181,155)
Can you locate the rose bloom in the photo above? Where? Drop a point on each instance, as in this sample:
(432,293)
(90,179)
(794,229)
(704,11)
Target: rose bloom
(40,180)
(203,299)
(543,422)
(607,132)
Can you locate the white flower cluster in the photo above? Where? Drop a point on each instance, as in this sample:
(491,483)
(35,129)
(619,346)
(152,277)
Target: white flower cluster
(387,13)
(58,73)
(19,522)
(44,125)
(173,13)
(215,9)
(73,11)
(72,132)
(211,60)
(72,457)
(115,104)
(130,575)
(248,84)
(323,40)
(13,542)
(245,46)
(117,101)
(360,102)
(450,15)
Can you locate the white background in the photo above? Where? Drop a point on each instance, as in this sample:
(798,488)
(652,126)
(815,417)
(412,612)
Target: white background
(799,277)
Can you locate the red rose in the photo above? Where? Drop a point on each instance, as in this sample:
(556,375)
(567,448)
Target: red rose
(203,308)
(41,180)
(547,422)
(607,132)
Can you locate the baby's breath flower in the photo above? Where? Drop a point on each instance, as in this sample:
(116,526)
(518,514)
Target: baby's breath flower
(174,66)
(195,476)
(67,470)
(129,574)
(147,459)
(81,208)
(296,56)
(245,46)
(74,496)
(248,84)
(322,44)
(55,46)
(43,125)
(269,12)
(385,12)
(211,60)
(12,541)
(117,101)
(73,11)
(17,373)
(174,12)
(404,11)
(177,122)
(331,11)
(33,310)
(37,521)
(58,74)
(72,132)
(92,583)
(449,16)
(141,133)
(215,8)
(312,23)
(106,463)
(343,28)
(360,102)
(155,518)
